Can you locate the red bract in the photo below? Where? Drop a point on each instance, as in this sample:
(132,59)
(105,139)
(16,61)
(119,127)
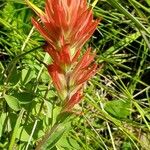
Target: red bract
(66,22)
(59,79)
(73,100)
(66,25)
(71,78)
(84,69)
(62,56)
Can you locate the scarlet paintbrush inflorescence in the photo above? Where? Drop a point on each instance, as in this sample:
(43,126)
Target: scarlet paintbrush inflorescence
(66,25)
(66,22)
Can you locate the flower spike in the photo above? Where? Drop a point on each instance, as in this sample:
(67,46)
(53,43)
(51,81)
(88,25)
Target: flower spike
(70,19)
(66,25)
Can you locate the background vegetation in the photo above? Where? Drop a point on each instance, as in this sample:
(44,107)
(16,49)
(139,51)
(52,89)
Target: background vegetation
(114,113)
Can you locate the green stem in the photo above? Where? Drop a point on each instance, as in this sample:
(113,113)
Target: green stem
(53,134)
(14,134)
(45,138)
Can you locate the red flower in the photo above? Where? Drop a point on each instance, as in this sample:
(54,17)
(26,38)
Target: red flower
(66,22)
(58,79)
(62,57)
(84,69)
(75,99)
(66,25)
(70,81)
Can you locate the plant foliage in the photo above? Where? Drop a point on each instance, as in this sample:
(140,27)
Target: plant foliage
(115,112)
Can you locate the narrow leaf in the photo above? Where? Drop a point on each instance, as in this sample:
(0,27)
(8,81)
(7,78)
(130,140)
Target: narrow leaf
(35,8)
(115,4)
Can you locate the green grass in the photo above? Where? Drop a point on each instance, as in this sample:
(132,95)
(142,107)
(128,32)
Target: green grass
(115,111)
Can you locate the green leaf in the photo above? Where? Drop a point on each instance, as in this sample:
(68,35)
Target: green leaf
(118,108)
(54,137)
(2,121)
(67,142)
(14,75)
(22,134)
(25,131)
(24,97)
(12,102)
(27,75)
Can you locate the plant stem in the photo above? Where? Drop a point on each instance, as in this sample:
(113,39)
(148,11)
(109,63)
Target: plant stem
(46,137)
(14,134)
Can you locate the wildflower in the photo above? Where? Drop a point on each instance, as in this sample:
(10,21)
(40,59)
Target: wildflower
(66,25)
(66,22)
(69,80)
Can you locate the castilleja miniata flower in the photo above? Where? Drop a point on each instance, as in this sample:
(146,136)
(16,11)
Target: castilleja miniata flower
(66,25)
